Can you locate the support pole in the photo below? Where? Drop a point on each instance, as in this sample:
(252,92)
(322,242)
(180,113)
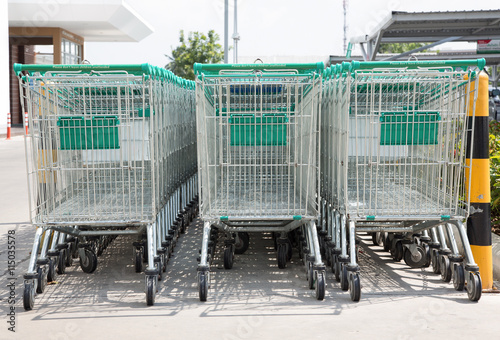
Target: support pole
(479,222)
(226,29)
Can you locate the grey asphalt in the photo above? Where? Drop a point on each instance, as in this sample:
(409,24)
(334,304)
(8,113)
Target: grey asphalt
(254,300)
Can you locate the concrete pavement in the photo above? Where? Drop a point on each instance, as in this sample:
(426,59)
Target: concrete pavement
(254,300)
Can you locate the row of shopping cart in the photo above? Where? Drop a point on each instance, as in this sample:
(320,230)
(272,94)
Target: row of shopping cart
(111,151)
(309,154)
(376,147)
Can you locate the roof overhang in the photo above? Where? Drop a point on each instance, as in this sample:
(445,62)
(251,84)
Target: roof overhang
(94,20)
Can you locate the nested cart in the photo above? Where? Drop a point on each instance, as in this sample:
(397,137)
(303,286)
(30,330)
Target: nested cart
(111,151)
(393,160)
(258,133)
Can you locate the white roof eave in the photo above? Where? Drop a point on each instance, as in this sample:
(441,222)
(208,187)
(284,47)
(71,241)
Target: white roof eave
(95,21)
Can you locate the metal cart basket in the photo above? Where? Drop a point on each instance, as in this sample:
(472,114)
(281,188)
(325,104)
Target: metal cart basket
(111,151)
(394,164)
(257,130)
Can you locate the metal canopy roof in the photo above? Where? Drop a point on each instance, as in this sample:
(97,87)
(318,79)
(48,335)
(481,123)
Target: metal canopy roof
(432,27)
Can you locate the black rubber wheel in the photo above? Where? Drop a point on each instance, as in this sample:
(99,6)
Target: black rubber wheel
(458,277)
(397,252)
(138,260)
(310,275)
(282,255)
(386,242)
(344,277)
(354,287)
(242,243)
(61,261)
(444,266)
(228,258)
(202,286)
(51,270)
(150,290)
(159,266)
(435,261)
(69,254)
(41,280)
(337,267)
(376,238)
(28,296)
(320,285)
(474,286)
(417,260)
(427,252)
(89,262)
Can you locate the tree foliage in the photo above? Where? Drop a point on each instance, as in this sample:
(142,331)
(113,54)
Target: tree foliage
(399,47)
(197,48)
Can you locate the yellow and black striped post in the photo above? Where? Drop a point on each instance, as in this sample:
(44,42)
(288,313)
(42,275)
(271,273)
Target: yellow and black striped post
(479,222)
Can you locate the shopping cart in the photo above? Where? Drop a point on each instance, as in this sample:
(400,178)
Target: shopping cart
(257,130)
(394,164)
(111,151)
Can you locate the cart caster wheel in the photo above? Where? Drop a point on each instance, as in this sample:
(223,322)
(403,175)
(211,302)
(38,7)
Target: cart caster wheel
(458,277)
(88,263)
(377,238)
(203,286)
(28,296)
(474,286)
(354,287)
(320,285)
(435,261)
(241,245)
(386,242)
(344,278)
(164,261)
(417,260)
(444,265)
(397,252)
(51,270)
(228,258)
(69,256)
(61,262)
(282,255)
(427,252)
(41,280)
(159,266)
(150,290)
(336,269)
(310,275)
(138,260)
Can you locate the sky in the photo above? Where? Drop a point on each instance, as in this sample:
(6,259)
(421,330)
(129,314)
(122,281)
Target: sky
(266,27)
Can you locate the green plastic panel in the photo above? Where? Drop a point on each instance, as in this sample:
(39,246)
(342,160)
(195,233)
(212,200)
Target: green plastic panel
(409,128)
(248,130)
(96,133)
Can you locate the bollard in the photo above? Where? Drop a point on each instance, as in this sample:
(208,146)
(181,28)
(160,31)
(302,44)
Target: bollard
(26,122)
(479,222)
(8,126)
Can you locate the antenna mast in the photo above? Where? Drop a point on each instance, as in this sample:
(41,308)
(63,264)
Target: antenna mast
(346,3)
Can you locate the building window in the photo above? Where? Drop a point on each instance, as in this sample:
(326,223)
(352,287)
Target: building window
(70,52)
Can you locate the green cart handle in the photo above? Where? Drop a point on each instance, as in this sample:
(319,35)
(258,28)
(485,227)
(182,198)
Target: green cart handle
(366,65)
(211,68)
(141,68)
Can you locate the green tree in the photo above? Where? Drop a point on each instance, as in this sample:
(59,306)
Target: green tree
(399,47)
(197,48)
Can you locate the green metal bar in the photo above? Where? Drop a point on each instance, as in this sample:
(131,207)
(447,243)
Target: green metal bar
(356,65)
(210,68)
(143,68)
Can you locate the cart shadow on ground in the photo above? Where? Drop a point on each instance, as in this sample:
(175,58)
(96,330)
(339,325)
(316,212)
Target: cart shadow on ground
(254,286)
